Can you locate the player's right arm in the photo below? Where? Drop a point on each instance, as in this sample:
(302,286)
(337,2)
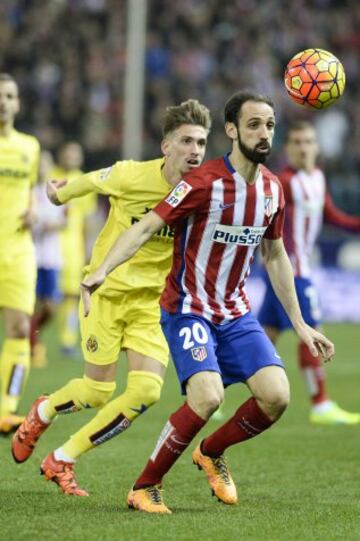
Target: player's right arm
(108,181)
(62,191)
(125,247)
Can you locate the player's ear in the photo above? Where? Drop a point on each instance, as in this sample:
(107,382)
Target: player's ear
(165,147)
(231,131)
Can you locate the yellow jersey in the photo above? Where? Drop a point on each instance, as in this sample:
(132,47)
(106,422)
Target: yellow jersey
(134,189)
(19,163)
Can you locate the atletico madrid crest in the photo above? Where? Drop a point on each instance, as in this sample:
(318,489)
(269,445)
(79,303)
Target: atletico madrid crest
(268,205)
(199,354)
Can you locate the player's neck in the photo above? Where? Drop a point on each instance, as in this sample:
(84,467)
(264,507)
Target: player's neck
(6,129)
(171,175)
(246,168)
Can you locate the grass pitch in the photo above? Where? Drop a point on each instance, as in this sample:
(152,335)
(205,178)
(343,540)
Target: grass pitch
(295,482)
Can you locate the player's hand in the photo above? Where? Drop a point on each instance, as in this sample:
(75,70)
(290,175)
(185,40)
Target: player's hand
(27,220)
(89,285)
(317,343)
(52,187)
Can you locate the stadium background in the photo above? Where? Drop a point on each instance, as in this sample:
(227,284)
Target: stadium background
(69,57)
(70,60)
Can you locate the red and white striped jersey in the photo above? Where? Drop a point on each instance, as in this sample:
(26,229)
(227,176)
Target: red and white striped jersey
(219,222)
(308,204)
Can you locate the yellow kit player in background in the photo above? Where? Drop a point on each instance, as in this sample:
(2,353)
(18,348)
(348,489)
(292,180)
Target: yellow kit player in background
(126,312)
(19,158)
(73,244)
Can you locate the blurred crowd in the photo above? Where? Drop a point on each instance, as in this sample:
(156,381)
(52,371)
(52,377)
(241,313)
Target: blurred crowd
(69,59)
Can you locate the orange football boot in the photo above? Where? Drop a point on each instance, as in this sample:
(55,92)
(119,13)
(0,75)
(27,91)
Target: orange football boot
(147,499)
(10,423)
(219,477)
(61,473)
(28,433)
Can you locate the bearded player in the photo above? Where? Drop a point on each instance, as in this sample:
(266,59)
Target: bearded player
(222,212)
(308,204)
(19,158)
(126,310)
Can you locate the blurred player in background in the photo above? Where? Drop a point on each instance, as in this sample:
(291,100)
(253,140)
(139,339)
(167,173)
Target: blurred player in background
(126,311)
(73,244)
(308,204)
(221,212)
(19,159)
(46,233)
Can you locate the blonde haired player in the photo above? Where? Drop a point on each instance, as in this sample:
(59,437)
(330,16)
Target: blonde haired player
(73,244)
(19,157)
(126,312)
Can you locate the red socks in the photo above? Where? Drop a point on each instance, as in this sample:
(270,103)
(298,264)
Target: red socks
(314,374)
(182,427)
(249,421)
(178,432)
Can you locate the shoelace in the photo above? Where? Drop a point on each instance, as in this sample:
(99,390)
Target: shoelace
(67,478)
(155,495)
(25,430)
(221,466)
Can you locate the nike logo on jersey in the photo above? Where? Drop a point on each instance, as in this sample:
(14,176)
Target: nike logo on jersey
(229,205)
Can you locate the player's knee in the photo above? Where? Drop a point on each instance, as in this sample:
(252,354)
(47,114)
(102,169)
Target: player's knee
(205,393)
(206,403)
(97,393)
(276,401)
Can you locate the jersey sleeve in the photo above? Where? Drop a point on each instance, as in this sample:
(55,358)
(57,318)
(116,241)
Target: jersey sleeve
(186,198)
(107,181)
(275,229)
(334,216)
(111,180)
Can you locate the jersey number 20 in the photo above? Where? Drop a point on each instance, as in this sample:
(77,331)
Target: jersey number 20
(192,335)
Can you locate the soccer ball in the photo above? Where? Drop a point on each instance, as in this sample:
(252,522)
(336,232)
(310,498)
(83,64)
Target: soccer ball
(314,77)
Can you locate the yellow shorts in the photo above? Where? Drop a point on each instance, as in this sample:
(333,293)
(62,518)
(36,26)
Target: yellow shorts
(128,321)
(18,282)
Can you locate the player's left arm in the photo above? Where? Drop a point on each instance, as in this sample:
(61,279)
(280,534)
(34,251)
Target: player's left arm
(125,247)
(337,217)
(281,275)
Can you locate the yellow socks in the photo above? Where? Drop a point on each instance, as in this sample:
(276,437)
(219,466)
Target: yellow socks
(142,391)
(78,394)
(14,371)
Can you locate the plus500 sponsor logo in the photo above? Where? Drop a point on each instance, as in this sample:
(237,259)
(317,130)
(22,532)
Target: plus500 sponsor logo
(241,235)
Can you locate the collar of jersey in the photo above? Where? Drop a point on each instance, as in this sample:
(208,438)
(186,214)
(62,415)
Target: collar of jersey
(233,171)
(228,164)
(235,174)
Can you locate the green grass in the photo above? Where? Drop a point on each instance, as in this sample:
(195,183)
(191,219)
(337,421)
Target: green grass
(295,482)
